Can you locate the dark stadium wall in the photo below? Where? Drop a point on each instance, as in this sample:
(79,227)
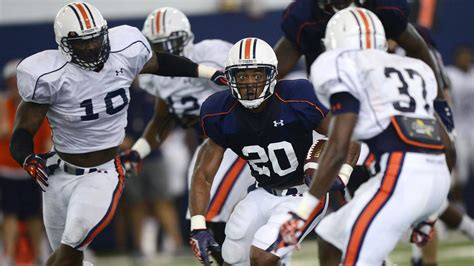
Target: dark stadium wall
(452,23)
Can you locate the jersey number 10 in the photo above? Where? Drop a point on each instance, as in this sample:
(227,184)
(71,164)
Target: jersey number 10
(109,107)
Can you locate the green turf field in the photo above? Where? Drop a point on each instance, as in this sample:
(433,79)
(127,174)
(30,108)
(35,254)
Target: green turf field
(456,250)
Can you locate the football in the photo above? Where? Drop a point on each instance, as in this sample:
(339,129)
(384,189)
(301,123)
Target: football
(312,157)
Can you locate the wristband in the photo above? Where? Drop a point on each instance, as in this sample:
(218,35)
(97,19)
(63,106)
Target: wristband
(142,147)
(198,222)
(345,173)
(205,71)
(307,205)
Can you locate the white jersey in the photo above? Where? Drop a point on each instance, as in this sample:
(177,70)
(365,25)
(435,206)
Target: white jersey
(88,109)
(386,85)
(186,95)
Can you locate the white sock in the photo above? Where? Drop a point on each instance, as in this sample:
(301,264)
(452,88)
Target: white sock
(415,252)
(467,226)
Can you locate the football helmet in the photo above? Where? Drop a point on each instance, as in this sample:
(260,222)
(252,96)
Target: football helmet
(168,30)
(82,35)
(355,28)
(254,54)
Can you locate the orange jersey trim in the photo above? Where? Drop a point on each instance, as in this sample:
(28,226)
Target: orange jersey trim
(224,189)
(300,101)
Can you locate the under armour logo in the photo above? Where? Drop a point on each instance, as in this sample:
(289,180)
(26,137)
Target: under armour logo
(117,72)
(278,123)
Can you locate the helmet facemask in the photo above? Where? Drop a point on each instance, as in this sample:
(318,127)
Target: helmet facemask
(251,84)
(89,51)
(173,44)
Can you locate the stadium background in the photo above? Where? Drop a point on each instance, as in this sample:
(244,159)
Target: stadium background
(26,28)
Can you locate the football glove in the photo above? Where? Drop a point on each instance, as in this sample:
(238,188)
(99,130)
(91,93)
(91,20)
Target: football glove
(202,242)
(291,230)
(219,78)
(422,233)
(132,162)
(35,166)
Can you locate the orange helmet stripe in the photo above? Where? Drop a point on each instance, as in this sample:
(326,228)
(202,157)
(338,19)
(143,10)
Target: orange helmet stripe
(247,46)
(84,15)
(367,27)
(157,21)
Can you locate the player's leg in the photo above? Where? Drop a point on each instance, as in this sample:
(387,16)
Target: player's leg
(10,203)
(244,221)
(455,219)
(91,206)
(31,212)
(409,193)
(229,187)
(328,254)
(265,246)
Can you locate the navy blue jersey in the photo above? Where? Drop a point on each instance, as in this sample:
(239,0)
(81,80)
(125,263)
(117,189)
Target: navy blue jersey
(304,23)
(274,141)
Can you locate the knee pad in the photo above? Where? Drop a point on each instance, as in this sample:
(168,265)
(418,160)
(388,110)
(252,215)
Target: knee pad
(75,232)
(236,247)
(234,253)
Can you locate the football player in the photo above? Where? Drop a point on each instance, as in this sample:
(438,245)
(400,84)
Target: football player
(83,89)
(270,125)
(304,23)
(385,101)
(178,100)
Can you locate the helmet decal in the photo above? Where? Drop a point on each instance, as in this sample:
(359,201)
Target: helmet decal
(248,48)
(83,16)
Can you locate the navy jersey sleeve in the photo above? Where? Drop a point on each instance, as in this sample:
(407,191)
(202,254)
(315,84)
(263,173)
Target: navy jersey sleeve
(304,101)
(210,119)
(393,14)
(301,27)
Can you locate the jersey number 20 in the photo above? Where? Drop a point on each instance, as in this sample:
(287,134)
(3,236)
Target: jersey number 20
(109,106)
(263,158)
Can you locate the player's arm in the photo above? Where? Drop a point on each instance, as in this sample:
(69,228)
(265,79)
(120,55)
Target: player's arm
(287,55)
(351,158)
(28,119)
(207,163)
(335,153)
(166,64)
(416,47)
(155,133)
